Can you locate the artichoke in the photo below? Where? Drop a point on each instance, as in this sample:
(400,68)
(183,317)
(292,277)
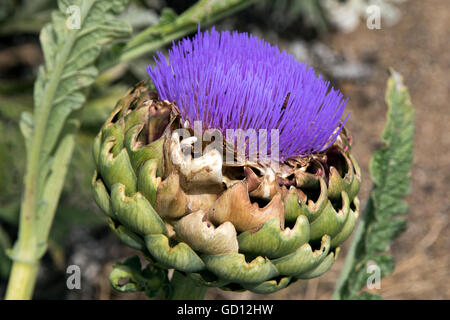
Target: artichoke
(244,224)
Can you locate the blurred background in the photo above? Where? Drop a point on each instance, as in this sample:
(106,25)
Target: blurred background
(336,37)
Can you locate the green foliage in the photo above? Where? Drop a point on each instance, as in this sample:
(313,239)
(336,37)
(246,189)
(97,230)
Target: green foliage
(69,68)
(390,170)
(70,51)
(284,13)
(171,27)
(127,276)
(75,208)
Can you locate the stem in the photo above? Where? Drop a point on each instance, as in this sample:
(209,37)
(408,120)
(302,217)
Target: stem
(350,257)
(349,261)
(184,288)
(154,37)
(22,281)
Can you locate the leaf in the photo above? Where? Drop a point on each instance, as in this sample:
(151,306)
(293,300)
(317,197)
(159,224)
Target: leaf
(381,233)
(68,69)
(127,276)
(390,169)
(71,44)
(170,28)
(69,56)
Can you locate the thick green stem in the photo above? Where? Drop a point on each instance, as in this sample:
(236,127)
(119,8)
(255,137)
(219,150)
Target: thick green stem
(351,255)
(349,260)
(22,281)
(184,288)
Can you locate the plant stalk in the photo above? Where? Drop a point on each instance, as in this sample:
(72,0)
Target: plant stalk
(155,37)
(351,254)
(349,260)
(22,280)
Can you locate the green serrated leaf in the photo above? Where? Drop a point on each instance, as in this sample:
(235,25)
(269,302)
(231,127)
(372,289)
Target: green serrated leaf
(381,233)
(70,50)
(390,169)
(69,55)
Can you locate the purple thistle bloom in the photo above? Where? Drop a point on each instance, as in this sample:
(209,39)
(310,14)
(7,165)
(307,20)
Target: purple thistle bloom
(237,81)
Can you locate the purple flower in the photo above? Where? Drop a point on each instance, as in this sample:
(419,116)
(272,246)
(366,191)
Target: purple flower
(237,81)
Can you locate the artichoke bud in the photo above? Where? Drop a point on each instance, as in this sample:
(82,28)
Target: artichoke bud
(239,226)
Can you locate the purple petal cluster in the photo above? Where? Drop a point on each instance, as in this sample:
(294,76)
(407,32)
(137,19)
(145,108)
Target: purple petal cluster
(237,81)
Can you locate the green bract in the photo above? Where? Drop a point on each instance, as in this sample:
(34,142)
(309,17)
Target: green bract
(241,226)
